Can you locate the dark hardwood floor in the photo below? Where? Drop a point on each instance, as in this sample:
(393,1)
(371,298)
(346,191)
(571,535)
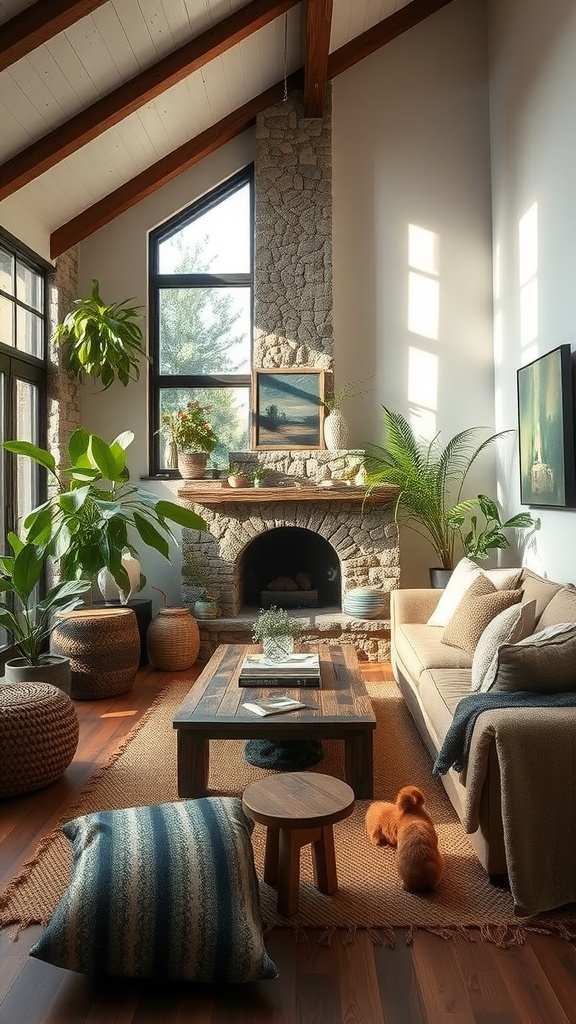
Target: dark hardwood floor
(433,980)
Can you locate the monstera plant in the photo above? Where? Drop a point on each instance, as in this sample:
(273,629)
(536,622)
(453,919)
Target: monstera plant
(94,513)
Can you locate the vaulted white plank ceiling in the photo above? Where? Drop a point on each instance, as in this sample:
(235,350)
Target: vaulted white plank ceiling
(56,65)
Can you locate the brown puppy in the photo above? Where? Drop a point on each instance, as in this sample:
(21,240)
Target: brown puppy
(406,825)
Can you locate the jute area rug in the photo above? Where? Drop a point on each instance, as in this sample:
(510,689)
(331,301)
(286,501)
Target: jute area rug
(143,771)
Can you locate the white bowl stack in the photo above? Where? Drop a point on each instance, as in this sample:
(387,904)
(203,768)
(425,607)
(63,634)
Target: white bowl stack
(365,603)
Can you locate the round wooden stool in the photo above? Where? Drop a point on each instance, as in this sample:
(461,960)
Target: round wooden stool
(298,808)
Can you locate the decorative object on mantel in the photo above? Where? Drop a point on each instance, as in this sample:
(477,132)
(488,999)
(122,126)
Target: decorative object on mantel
(364,603)
(189,431)
(287,408)
(258,475)
(335,424)
(173,638)
(237,477)
(275,630)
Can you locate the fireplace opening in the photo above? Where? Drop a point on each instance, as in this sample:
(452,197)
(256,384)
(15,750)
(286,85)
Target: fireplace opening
(290,567)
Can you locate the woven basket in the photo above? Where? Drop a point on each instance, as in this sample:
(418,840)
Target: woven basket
(173,640)
(103,645)
(38,736)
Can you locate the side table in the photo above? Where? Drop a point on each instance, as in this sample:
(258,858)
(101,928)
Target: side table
(298,808)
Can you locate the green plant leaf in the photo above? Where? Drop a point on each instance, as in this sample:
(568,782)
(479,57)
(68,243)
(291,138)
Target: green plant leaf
(179,514)
(150,535)
(38,455)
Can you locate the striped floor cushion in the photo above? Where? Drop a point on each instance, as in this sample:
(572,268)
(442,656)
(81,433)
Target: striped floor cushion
(167,891)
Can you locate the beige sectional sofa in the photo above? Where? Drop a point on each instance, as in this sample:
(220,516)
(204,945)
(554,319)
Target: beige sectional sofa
(521,762)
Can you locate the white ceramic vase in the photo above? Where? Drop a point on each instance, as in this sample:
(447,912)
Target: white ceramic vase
(109,588)
(335,431)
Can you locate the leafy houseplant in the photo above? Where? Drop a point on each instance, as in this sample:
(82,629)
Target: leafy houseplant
(189,428)
(275,629)
(102,341)
(430,477)
(258,475)
(87,522)
(30,623)
(479,540)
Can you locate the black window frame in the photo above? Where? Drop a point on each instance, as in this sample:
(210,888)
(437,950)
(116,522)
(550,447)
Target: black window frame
(158,381)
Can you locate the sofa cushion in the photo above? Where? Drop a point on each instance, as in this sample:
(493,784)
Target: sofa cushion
(561,608)
(463,576)
(477,608)
(420,647)
(544,662)
(167,891)
(440,691)
(536,588)
(510,626)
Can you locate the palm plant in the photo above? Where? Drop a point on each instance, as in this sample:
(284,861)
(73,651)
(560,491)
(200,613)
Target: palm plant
(430,477)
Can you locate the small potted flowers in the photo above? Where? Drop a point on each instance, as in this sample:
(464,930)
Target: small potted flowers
(275,630)
(189,433)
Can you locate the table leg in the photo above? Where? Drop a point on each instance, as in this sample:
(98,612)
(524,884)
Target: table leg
(288,871)
(271,855)
(193,752)
(359,759)
(324,861)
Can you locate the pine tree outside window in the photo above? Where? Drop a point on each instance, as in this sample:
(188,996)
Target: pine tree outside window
(201,308)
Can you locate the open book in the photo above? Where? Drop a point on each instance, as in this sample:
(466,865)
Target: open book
(273,705)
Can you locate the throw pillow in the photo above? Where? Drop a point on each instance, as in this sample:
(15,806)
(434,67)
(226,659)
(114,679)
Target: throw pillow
(544,662)
(167,891)
(510,626)
(463,576)
(477,608)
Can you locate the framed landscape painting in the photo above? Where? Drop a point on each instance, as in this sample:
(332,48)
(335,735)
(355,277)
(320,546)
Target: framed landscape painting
(546,430)
(287,409)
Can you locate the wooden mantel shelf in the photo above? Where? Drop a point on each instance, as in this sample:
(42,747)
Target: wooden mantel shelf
(202,493)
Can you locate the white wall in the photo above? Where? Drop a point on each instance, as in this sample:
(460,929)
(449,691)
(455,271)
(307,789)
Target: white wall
(532,47)
(411,147)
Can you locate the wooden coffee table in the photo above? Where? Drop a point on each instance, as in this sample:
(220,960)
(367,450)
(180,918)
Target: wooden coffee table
(213,710)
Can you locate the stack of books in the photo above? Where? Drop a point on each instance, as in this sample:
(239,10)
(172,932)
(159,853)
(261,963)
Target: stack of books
(296,670)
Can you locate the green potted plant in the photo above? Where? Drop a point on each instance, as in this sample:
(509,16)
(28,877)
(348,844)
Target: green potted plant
(192,437)
(94,511)
(29,622)
(258,475)
(430,477)
(205,604)
(482,538)
(102,341)
(275,629)
(237,477)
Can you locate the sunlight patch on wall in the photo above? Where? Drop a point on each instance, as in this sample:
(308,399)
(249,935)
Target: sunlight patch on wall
(528,281)
(423,286)
(422,378)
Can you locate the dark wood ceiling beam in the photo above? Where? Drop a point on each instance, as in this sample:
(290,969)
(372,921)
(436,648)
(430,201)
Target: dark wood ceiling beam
(164,170)
(381,33)
(39,23)
(113,108)
(170,166)
(317,47)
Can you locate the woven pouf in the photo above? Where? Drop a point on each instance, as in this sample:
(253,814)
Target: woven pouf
(38,736)
(103,645)
(173,639)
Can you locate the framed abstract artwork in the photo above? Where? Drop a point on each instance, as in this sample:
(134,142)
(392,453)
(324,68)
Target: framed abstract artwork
(287,408)
(546,430)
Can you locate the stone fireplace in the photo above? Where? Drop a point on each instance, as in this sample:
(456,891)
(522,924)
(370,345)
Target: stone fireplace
(296,527)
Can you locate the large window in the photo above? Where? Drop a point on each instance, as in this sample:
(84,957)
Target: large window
(201,299)
(23,341)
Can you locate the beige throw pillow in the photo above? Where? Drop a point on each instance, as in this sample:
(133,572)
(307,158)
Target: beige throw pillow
(463,576)
(544,662)
(477,608)
(513,624)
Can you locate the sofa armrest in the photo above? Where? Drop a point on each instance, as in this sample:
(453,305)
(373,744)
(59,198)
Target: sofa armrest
(412,605)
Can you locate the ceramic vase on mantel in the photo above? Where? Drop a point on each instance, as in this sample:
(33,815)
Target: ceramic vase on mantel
(192,465)
(335,431)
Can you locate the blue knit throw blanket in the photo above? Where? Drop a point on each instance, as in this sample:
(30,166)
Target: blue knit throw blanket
(456,746)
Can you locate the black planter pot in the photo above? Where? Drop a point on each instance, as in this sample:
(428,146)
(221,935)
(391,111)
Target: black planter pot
(439,578)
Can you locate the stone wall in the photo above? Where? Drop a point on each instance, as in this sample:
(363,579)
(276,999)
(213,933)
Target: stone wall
(63,391)
(293,237)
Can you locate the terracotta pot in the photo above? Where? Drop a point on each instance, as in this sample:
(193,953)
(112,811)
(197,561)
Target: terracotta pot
(238,481)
